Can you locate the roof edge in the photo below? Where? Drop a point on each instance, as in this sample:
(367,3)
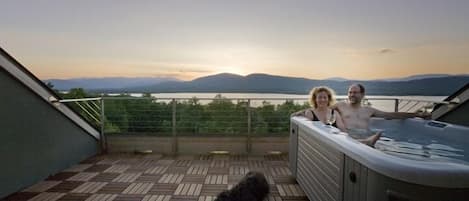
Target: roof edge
(28,79)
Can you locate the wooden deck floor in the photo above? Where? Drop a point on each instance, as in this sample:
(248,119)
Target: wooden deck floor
(161,178)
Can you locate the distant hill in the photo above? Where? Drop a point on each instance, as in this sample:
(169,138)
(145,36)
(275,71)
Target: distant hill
(106,83)
(337,79)
(264,83)
(418,77)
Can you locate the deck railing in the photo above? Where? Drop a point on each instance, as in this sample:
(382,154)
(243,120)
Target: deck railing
(219,116)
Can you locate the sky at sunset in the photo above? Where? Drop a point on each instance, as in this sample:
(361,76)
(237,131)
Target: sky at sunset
(359,39)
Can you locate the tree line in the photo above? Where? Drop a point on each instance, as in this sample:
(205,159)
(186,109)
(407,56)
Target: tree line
(220,116)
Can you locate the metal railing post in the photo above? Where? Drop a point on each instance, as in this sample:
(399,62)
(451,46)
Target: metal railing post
(103,138)
(248,141)
(174,132)
(396,105)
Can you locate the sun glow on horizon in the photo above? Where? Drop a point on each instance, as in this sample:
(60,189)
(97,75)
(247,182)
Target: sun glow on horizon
(232,70)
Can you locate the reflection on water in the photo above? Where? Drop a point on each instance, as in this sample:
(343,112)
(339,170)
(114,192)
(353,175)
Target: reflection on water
(418,149)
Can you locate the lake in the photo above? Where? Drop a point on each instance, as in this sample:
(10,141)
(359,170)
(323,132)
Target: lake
(274,98)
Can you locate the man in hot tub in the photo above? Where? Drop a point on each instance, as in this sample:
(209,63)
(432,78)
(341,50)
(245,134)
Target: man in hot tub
(356,116)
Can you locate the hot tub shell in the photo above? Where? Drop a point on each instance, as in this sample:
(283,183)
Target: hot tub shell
(336,167)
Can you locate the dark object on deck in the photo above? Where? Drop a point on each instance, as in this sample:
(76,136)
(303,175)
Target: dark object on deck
(253,187)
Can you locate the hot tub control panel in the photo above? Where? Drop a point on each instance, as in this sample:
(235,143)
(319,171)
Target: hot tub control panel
(436,124)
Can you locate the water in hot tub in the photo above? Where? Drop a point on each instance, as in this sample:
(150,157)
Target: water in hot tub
(417,147)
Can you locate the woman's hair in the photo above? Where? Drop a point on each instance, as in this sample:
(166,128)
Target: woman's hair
(314,93)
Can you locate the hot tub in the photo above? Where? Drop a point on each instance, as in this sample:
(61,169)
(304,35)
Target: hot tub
(414,160)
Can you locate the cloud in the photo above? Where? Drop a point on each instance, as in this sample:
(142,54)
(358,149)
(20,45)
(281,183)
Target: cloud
(386,51)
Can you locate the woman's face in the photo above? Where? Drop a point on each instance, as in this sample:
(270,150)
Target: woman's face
(322,99)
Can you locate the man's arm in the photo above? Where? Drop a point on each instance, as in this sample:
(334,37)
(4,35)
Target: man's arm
(337,106)
(397,115)
(340,123)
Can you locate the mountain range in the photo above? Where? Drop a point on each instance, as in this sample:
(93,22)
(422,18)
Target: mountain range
(431,84)
(106,83)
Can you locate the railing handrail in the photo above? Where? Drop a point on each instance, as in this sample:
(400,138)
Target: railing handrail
(224,98)
(78,100)
(419,100)
(267,98)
